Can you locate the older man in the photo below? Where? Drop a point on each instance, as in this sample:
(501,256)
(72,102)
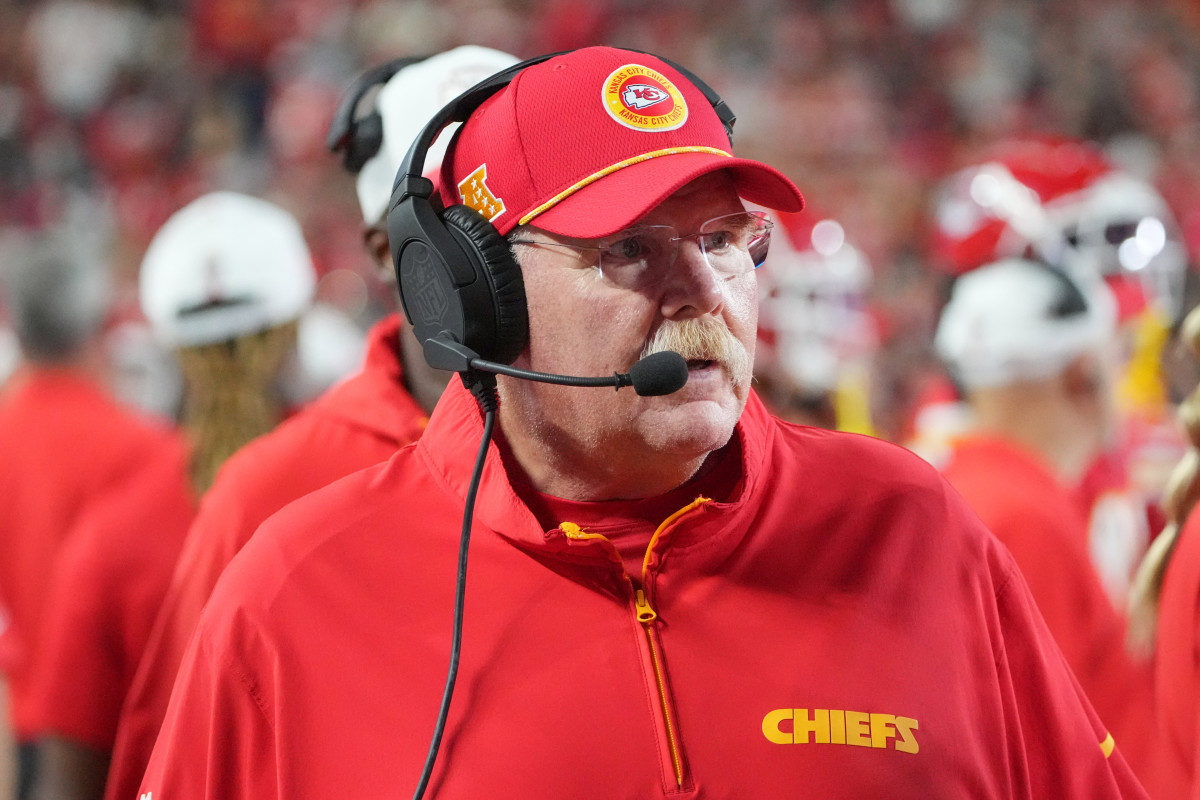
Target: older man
(668,595)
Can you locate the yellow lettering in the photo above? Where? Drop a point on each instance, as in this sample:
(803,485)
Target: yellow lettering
(837,726)
(907,743)
(771,729)
(818,726)
(881,729)
(858,727)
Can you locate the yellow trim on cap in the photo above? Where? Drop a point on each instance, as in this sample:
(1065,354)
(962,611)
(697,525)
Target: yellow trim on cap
(1108,745)
(595,176)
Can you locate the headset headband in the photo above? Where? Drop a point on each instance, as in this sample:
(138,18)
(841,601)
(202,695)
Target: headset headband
(343,136)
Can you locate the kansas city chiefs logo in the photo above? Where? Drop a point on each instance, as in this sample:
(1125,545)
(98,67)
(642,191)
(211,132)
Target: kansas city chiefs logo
(642,95)
(644,99)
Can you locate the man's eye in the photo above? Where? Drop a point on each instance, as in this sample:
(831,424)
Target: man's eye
(629,248)
(718,240)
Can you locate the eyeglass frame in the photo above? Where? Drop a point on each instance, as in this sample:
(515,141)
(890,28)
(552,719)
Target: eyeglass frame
(761,216)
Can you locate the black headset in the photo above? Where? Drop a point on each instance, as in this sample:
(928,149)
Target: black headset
(457,277)
(357,138)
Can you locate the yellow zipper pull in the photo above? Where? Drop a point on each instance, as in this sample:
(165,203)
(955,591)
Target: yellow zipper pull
(644,612)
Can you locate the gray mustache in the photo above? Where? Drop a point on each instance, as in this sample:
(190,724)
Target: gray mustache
(705,339)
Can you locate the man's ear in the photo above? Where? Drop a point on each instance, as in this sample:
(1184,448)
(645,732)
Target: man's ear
(375,239)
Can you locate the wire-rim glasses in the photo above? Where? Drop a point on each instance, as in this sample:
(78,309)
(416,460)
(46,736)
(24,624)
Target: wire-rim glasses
(731,244)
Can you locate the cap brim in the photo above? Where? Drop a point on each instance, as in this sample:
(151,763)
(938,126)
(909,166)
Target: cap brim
(621,198)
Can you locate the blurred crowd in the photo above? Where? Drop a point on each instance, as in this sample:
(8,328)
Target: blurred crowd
(115,114)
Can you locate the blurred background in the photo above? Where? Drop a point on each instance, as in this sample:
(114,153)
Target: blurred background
(115,113)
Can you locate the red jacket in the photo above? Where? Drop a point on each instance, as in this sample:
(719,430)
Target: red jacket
(840,627)
(1044,524)
(360,422)
(64,443)
(1177,660)
(106,587)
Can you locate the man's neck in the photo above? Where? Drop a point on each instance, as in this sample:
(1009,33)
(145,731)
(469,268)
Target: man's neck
(1041,423)
(594,476)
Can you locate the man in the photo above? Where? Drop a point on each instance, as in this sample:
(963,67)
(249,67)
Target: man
(1032,348)
(223,284)
(674,595)
(359,423)
(66,444)
(1067,202)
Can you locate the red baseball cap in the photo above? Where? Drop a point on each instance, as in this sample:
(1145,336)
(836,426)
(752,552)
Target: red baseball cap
(588,142)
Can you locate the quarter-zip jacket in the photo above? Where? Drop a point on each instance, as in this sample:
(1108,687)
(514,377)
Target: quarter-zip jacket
(841,627)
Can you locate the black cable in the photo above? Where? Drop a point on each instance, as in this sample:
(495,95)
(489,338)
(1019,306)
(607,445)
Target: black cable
(617,379)
(483,386)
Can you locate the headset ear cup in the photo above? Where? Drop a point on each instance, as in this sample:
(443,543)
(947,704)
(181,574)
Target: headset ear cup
(504,278)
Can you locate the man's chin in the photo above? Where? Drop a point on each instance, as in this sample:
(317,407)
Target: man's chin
(693,427)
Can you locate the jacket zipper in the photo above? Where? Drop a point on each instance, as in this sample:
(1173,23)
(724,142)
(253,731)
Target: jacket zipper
(646,617)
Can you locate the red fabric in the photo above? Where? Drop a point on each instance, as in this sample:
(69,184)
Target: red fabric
(107,586)
(1044,525)
(65,444)
(354,425)
(842,576)
(1177,660)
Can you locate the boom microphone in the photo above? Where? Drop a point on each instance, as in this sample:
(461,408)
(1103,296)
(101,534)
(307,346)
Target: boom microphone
(657,374)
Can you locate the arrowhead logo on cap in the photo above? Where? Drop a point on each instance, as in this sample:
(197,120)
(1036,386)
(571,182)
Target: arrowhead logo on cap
(475,193)
(644,100)
(643,95)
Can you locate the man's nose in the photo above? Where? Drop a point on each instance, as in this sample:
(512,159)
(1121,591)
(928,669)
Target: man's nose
(692,288)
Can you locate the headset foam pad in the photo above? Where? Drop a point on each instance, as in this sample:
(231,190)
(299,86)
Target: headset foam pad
(503,275)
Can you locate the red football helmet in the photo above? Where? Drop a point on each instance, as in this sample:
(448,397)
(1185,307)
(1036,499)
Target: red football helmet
(1063,201)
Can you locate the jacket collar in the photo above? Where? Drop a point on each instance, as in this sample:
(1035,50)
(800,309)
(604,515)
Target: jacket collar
(451,441)
(375,398)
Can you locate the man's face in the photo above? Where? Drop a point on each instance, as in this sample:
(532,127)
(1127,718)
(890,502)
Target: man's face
(582,323)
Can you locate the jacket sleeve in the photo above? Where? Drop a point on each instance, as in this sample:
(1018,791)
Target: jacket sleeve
(1055,737)
(218,739)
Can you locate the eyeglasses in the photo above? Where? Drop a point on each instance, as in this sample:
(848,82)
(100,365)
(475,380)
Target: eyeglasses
(732,244)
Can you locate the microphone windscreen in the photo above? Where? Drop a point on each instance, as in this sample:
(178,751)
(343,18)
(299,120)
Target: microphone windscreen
(659,373)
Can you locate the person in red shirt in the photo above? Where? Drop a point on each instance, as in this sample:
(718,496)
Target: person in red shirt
(66,443)
(1166,591)
(1066,201)
(356,424)
(670,592)
(1031,347)
(223,284)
